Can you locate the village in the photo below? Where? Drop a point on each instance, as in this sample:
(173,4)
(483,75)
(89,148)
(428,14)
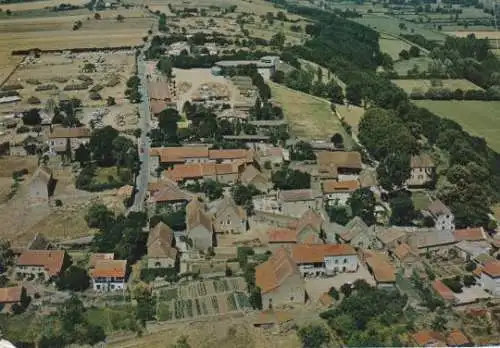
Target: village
(148,195)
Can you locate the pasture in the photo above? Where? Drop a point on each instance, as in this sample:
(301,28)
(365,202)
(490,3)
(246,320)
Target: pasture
(309,117)
(251,6)
(351,114)
(424,85)
(480,34)
(392,46)
(479,118)
(35,5)
(402,66)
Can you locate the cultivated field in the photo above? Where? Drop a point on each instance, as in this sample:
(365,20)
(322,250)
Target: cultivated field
(424,85)
(35,5)
(309,117)
(480,118)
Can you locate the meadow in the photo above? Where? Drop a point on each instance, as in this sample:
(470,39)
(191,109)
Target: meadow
(479,118)
(309,117)
(392,46)
(424,85)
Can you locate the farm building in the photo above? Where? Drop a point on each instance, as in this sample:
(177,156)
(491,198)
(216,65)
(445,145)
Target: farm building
(109,275)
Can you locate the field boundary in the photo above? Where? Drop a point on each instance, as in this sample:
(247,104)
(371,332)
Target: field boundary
(74,50)
(9,75)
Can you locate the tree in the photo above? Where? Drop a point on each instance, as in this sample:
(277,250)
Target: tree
(99,216)
(469,280)
(402,209)
(101,145)
(362,203)
(145,304)
(82,154)
(71,314)
(278,40)
(89,68)
(338,214)
(32,117)
(337,140)
(439,323)
(74,279)
(122,149)
(334,293)
(314,336)
(302,151)
(97,16)
(167,122)
(181,343)
(165,66)
(120,18)
(402,26)
(404,55)
(394,170)
(278,76)
(110,101)
(291,179)
(213,189)
(414,51)
(346,289)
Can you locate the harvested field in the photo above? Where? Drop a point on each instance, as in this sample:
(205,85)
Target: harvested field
(480,118)
(309,117)
(11,164)
(63,224)
(34,5)
(424,85)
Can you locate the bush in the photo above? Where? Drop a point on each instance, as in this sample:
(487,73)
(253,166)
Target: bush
(33,100)
(150,274)
(47,87)
(77,86)
(33,82)
(95,96)
(454,284)
(96,88)
(85,78)
(59,79)
(12,87)
(59,203)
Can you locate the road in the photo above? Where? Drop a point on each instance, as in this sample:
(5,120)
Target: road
(143,142)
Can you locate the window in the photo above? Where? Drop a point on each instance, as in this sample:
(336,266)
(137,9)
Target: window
(336,261)
(98,287)
(345,260)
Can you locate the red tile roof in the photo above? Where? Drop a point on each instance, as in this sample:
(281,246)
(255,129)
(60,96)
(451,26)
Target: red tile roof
(428,338)
(442,290)
(383,271)
(79,132)
(158,106)
(282,235)
(305,253)
(179,154)
(457,338)
(159,90)
(229,154)
(51,260)
(402,251)
(275,271)
(340,159)
(492,268)
(332,186)
(109,268)
(100,256)
(11,295)
(181,172)
(470,234)
(309,219)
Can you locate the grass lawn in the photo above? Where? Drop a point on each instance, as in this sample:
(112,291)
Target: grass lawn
(392,46)
(479,118)
(402,66)
(105,175)
(420,200)
(111,318)
(309,117)
(351,114)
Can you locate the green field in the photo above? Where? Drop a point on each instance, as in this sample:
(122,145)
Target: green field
(392,46)
(309,117)
(423,85)
(390,25)
(402,66)
(479,118)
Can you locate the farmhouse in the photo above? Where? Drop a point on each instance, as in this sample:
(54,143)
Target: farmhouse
(324,259)
(98,257)
(166,194)
(199,225)
(359,234)
(279,280)
(338,192)
(390,237)
(62,139)
(422,170)
(10,295)
(490,277)
(442,216)
(109,275)
(44,263)
(341,165)
(297,202)
(405,256)
(306,230)
(252,176)
(381,269)
(470,234)
(161,252)
(426,338)
(273,154)
(42,184)
(425,240)
(228,217)
(226,173)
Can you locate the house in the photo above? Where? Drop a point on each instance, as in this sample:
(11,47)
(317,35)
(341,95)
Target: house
(275,155)
(382,270)
(490,277)
(443,291)
(297,202)
(427,338)
(228,217)
(343,165)
(226,173)
(11,295)
(109,275)
(405,256)
(390,237)
(359,235)
(324,259)
(61,139)
(98,257)
(470,234)
(41,263)
(42,184)
(281,237)
(442,216)
(167,194)
(425,240)
(308,228)
(159,90)
(251,176)
(338,192)
(457,338)
(423,171)
(279,281)
(199,225)
(161,251)
(197,154)
(471,250)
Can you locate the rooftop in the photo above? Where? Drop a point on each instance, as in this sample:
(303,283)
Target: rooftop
(51,260)
(332,186)
(390,235)
(492,269)
(438,208)
(402,251)
(424,238)
(383,271)
(100,256)
(11,294)
(429,338)
(315,253)
(159,90)
(109,268)
(296,195)
(281,235)
(275,271)
(79,132)
(457,338)
(422,161)
(470,234)
(442,290)
(340,159)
